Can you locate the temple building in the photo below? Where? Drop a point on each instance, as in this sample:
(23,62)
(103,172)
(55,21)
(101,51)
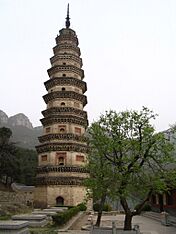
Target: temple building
(63,148)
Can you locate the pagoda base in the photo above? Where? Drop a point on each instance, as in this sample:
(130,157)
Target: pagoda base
(59,195)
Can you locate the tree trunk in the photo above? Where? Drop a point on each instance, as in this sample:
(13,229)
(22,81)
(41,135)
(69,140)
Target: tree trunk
(128,214)
(161,203)
(103,199)
(128,221)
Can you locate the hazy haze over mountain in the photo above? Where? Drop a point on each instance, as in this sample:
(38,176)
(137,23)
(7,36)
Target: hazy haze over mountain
(23,133)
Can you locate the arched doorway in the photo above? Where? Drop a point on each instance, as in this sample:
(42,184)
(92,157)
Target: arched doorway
(60,201)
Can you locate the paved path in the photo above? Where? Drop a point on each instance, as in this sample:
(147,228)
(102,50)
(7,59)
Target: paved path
(147,225)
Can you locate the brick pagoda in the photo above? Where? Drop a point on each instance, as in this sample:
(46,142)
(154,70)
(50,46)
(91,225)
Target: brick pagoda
(62,149)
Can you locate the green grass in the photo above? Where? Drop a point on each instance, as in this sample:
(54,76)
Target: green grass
(49,229)
(5,217)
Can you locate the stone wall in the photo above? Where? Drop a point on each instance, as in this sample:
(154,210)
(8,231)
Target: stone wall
(25,198)
(72,195)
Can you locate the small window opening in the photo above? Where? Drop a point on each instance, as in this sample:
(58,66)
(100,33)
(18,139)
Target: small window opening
(47,129)
(44,157)
(59,201)
(62,129)
(61,161)
(64,63)
(63,74)
(62,103)
(63,89)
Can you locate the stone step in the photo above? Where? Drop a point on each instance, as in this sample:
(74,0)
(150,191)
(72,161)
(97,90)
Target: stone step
(14,227)
(42,212)
(34,220)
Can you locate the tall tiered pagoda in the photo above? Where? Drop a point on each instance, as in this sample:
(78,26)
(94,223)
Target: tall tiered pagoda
(62,150)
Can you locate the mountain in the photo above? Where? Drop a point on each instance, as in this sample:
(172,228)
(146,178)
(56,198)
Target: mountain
(23,133)
(20,120)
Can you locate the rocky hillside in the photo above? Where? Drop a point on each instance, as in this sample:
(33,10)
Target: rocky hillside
(24,134)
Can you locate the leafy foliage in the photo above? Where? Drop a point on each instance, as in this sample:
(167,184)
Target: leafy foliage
(27,166)
(82,207)
(63,217)
(106,207)
(16,164)
(8,161)
(128,157)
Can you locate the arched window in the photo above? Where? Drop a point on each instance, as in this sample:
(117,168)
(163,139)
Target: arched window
(62,128)
(63,88)
(61,161)
(62,103)
(60,158)
(59,201)
(63,74)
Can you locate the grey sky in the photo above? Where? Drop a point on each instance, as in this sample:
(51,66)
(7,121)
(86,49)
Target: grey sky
(128,50)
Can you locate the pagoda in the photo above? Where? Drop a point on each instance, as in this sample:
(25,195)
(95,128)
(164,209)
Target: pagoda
(63,148)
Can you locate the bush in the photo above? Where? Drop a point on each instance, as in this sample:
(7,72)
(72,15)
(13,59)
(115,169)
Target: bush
(82,207)
(146,207)
(106,207)
(62,218)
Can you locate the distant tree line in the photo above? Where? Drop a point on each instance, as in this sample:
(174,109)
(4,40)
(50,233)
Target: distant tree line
(16,164)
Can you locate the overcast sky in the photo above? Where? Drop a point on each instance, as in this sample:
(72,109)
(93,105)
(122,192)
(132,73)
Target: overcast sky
(128,49)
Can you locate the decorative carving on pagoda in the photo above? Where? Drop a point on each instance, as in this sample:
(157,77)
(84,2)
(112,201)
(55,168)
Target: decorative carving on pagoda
(67,37)
(61,169)
(64,110)
(66,68)
(66,47)
(67,57)
(65,94)
(56,180)
(53,146)
(64,119)
(69,81)
(63,136)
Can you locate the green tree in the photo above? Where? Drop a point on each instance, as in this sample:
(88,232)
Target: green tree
(140,158)
(27,159)
(102,176)
(8,161)
(16,164)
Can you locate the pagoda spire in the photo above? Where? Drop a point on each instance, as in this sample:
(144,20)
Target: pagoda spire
(67,23)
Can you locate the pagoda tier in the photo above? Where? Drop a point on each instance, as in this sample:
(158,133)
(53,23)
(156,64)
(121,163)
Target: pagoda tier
(63,169)
(65,94)
(66,81)
(62,152)
(64,110)
(62,136)
(54,146)
(65,68)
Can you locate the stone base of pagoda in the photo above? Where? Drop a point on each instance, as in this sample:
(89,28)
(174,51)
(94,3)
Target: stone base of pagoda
(61,195)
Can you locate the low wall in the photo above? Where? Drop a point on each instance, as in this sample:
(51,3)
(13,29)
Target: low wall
(25,198)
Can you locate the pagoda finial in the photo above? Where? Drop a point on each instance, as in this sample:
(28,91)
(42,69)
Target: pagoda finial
(67,23)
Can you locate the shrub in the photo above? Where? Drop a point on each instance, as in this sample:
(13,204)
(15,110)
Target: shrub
(62,218)
(82,207)
(146,207)
(106,207)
